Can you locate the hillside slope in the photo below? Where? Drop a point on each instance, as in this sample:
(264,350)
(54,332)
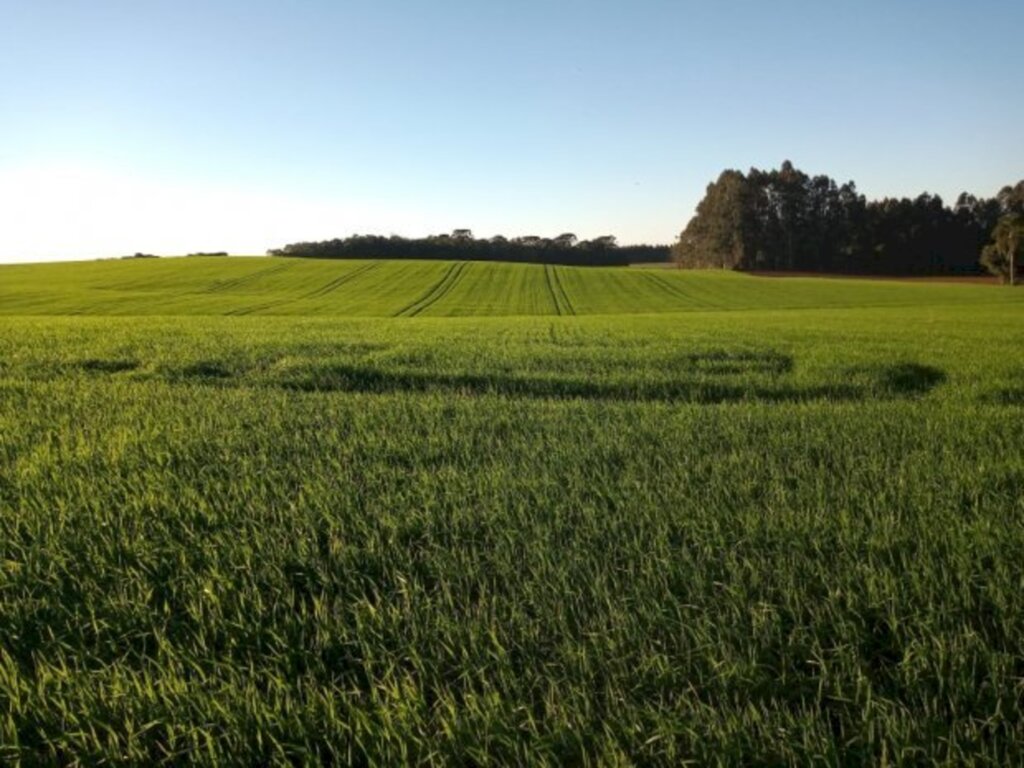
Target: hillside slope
(277,286)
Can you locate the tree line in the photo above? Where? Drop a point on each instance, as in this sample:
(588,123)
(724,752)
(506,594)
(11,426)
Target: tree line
(786,220)
(462,245)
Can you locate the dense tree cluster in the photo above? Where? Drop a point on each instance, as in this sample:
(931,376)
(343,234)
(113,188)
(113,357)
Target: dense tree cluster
(461,245)
(786,220)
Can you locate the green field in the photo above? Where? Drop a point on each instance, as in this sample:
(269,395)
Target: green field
(263,510)
(305,287)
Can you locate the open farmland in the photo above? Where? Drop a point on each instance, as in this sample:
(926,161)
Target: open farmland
(309,287)
(271,510)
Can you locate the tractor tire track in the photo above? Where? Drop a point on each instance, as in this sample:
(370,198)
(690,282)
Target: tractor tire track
(249,310)
(339,281)
(674,291)
(440,289)
(551,289)
(227,285)
(323,290)
(569,309)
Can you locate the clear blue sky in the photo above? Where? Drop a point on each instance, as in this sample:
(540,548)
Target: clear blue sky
(183,125)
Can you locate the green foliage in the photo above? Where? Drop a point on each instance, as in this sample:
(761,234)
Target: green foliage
(1006,248)
(771,529)
(717,235)
(460,245)
(785,220)
(1011,199)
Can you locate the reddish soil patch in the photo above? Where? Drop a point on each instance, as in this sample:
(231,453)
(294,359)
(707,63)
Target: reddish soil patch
(963,279)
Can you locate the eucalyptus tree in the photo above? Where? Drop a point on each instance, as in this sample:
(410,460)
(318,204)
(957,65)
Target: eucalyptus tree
(1000,256)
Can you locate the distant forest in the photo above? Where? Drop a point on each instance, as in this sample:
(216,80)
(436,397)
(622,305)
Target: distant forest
(461,245)
(785,220)
(777,220)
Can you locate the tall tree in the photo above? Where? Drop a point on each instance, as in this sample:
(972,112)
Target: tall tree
(717,236)
(1006,250)
(1011,198)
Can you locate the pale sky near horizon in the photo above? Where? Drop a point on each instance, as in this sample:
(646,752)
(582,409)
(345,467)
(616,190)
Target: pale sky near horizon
(177,126)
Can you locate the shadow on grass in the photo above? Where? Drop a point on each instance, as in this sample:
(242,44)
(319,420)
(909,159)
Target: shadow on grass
(207,369)
(348,378)
(744,377)
(911,378)
(726,363)
(108,366)
(897,379)
(1006,396)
